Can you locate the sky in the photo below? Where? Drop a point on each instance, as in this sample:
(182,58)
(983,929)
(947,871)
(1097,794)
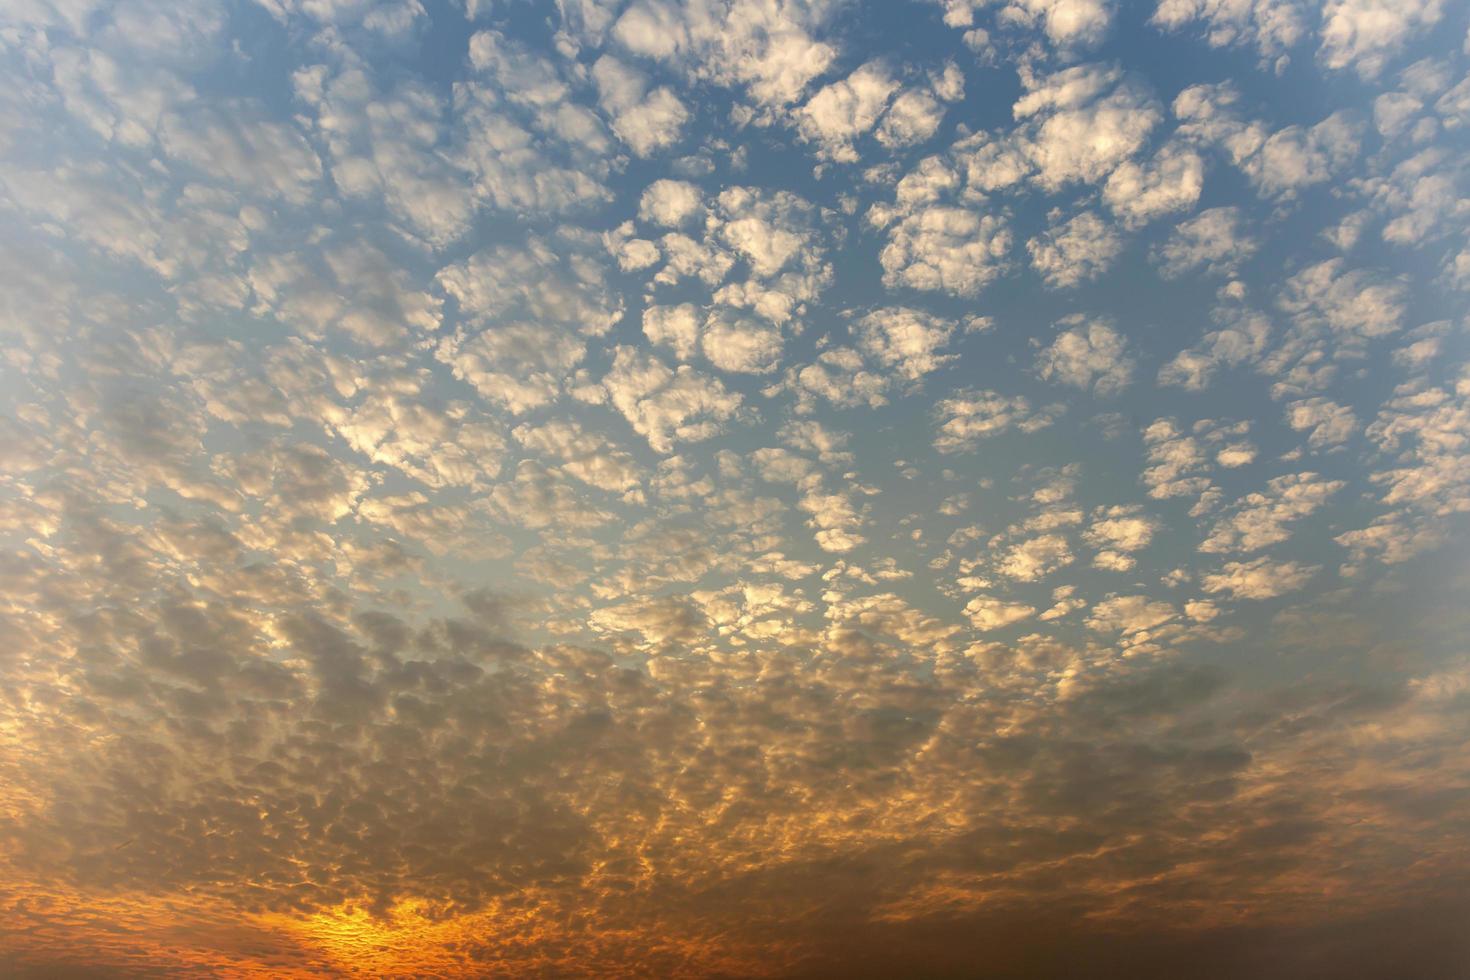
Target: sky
(734,488)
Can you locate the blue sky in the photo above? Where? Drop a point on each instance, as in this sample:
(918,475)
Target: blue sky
(975,459)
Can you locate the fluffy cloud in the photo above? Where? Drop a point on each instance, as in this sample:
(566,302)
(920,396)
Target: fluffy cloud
(1117,532)
(838,114)
(1171,181)
(646,120)
(1242,339)
(740,344)
(946,249)
(1259,520)
(1273,26)
(1329,423)
(1091,356)
(1083,123)
(669,202)
(1365,34)
(905,340)
(968,417)
(988,613)
(444,497)
(1260,578)
(1129,614)
(667,405)
(1211,242)
(1280,163)
(1064,22)
(1076,251)
(1035,558)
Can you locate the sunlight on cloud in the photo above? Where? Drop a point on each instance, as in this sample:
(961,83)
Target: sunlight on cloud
(734,488)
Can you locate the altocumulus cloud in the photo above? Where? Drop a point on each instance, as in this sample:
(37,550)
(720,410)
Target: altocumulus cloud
(734,488)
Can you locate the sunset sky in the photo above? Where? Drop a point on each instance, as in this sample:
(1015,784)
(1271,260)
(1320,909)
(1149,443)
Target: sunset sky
(735,488)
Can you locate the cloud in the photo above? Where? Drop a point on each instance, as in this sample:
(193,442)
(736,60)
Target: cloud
(1064,22)
(664,405)
(1129,614)
(234,145)
(1077,251)
(539,500)
(1273,26)
(587,456)
(987,613)
(1242,339)
(1211,242)
(839,113)
(1260,578)
(670,202)
(1259,520)
(1330,423)
(1083,122)
(647,120)
(1117,532)
(1364,35)
(740,344)
(944,249)
(1035,558)
(1140,192)
(968,417)
(1090,357)
(1280,163)
(905,340)
(839,375)
(766,49)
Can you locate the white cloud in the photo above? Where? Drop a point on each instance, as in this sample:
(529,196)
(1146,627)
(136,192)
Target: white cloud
(1273,26)
(1260,578)
(667,406)
(676,327)
(1365,34)
(1355,304)
(1091,356)
(1036,558)
(953,250)
(740,344)
(670,202)
(1259,520)
(542,282)
(1084,122)
(587,456)
(968,417)
(1211,242)
(647,121)
(1180,460)
(838,114)
(840,376)
(1064,22)
(1123,528)
(1279,163)
(836,521)
(519,366)
(1129,614)
(1241,340)
(766,48)
(912,118)
(1079,250)
(233,144)
(1331,424)
(988,613)
(1171,181)
(1425,432)
(353,287)
(905,340)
